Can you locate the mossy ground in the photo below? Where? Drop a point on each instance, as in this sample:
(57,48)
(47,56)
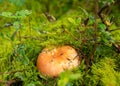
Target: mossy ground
(18,53)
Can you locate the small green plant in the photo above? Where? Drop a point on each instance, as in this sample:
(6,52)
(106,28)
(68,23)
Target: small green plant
(17,18)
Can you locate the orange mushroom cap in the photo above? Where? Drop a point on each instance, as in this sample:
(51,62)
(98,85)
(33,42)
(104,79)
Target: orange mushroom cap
(52,62)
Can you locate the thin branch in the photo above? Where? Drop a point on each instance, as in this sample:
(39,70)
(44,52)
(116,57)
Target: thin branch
(2,82)
(100,13)
(115,29)
(117,47)
(65,30)
(91,57)
(20,39)
(8,83)
(104,22)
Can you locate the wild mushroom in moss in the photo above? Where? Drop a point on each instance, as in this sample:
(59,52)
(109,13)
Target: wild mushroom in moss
(51,62)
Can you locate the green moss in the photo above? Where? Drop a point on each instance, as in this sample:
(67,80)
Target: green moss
(18,57)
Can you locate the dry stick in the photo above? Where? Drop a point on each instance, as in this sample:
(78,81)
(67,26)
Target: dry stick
(115,29)
(2,82)
(110,9)
(116,45)
(104,22)
(88,60)
(103,18)
(30,28)
(20,39)
(100,13)
(72,35)
(95,27)
(8,83)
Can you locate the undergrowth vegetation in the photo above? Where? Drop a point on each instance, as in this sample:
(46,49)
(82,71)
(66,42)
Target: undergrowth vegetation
(91,27)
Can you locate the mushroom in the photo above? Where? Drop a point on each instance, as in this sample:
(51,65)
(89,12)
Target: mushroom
(51,62)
